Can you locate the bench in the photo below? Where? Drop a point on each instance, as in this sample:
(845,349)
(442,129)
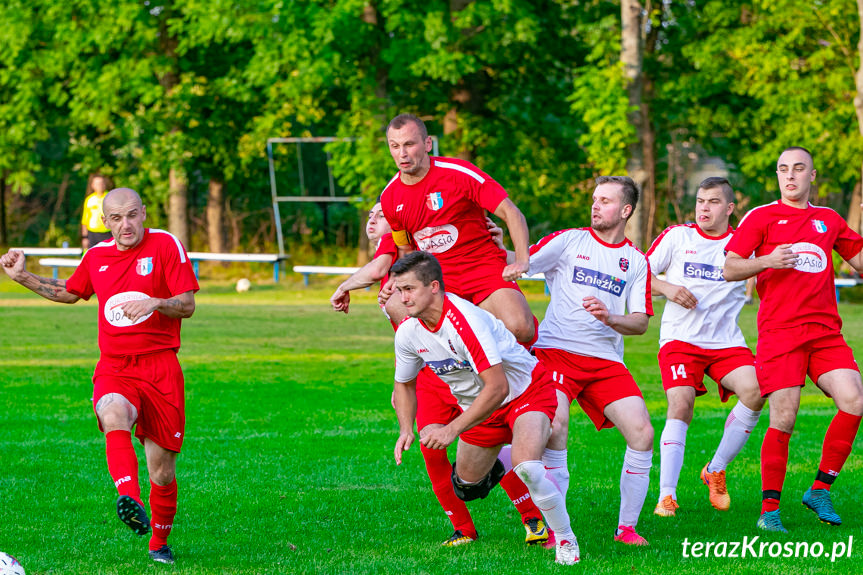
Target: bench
(306,271)
(194,257)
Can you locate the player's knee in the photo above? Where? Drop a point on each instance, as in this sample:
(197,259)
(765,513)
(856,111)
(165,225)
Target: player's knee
(115,412)
(531,473)
(480,489)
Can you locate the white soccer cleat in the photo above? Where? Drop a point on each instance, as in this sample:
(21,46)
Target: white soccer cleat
(566,552)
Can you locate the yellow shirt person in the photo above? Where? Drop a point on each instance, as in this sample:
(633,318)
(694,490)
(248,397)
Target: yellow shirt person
(93,230)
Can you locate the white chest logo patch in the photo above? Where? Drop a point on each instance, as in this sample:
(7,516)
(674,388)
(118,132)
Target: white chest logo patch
(810,258)
(115,315)
(436,239)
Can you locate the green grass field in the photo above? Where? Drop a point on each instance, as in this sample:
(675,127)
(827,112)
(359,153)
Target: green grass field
(287,465)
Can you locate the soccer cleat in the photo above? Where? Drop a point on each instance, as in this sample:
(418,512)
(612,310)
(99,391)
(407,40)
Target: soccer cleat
(718,492)
(819,501)
(567,553)
(667,507)
(536,531)
(458,538)
(132,514)
(770,521)
(551,542)
(627,535)
(163,555)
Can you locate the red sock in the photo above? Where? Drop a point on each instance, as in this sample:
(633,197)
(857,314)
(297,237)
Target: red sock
(518,493)
(837,447)
(163,507)
(440,472)
(123,463)
(774,462)
(529,344)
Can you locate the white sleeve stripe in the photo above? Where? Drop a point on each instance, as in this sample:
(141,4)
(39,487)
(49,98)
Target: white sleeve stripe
(461,169)
(390,182)
(176,241)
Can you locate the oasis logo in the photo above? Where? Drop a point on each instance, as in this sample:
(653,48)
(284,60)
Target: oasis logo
(436,239)
(598,280)
(810,258)
(703,271)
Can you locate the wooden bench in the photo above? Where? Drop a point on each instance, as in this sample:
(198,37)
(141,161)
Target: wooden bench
(194,257)
(306,271)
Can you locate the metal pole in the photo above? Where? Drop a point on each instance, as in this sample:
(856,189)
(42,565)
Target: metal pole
(278,217)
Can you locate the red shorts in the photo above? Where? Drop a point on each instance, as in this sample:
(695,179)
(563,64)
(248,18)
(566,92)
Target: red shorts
(153,383)
(497,428)
(594,382)
(784,357)
(683,364)
(435,401)
(476,283)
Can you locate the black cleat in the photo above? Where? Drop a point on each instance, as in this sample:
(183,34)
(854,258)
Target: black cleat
(163,555)
(132,514)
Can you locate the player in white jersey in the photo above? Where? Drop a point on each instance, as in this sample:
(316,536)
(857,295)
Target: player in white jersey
(505,394)
(699,335)
(600,290)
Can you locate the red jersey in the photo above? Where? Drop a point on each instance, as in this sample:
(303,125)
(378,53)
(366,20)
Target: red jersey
(443,214)
(806,293)
(156,267)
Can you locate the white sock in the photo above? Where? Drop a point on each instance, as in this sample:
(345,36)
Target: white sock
(556,468)
(634,481)
(547,498)
(738,427)
(505,457)
(672,445)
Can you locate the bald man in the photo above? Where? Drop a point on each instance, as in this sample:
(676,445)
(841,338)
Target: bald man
(145,285)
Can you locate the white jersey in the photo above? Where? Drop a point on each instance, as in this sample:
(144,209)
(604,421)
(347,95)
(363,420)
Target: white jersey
(578,264)
(695,260)
(466,341)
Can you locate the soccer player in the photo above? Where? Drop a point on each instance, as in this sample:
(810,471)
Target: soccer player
(506,396)
(436,405)
(438,205)
(145,286)
(600,291)
(93,229)
(799,327)
(699,335)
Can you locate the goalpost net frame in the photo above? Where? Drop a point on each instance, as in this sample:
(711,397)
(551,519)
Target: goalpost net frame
(331,198)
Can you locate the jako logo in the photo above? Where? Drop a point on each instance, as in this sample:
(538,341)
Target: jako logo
(582,257)
(810,258)
(422,350)
(598,280)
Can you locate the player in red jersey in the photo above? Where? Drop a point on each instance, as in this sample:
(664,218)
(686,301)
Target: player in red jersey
(799,327)
(438,205)
(436,404)
(145,286)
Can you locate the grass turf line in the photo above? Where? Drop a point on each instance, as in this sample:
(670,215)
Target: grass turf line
(287,466)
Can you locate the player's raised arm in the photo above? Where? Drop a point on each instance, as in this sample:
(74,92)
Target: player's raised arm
(494,391)
(517,226)
(51,289)
(738,268)
(180,306)
(371,273)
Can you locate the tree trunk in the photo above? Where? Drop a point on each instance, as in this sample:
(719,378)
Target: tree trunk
(854,219)
(4,237)
(178,205)
(858,107)
(216,216)
(632,55)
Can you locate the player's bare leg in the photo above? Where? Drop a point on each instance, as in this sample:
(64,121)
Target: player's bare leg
(672,446)
(117,415)
(738,427)
(162,466)
(630,416)
(784,404)
(510,307)
(845,386)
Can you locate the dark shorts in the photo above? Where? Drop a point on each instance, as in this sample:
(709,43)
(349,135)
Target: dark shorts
(153,383)
(95,237)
